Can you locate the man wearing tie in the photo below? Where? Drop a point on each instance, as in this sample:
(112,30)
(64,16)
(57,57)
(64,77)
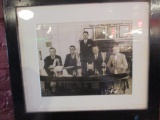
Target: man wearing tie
(97,57)
(85,51)
(71,59)
(51,61)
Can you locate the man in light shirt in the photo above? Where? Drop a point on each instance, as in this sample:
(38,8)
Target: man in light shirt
(117,64)
(117,60)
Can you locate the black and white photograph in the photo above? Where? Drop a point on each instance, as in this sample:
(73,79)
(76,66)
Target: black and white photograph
(80,60)
(76,64)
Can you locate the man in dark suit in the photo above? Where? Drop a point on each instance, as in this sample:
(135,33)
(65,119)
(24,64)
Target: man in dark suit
(85,51)
(96,57)
(71,59)
(86,47)
(51,61)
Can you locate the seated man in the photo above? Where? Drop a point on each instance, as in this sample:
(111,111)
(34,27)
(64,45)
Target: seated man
(96,58)
(71,59)
(52,61)
(117,60)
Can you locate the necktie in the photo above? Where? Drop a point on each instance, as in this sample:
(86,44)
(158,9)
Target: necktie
(96,57)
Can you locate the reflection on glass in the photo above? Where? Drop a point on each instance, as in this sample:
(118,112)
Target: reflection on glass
(25,14)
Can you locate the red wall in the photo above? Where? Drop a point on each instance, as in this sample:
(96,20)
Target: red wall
(6,106)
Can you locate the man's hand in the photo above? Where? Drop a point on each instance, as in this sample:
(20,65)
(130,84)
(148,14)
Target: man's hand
(52,70)
(51,67)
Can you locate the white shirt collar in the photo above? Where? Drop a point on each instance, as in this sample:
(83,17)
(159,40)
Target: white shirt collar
(96,56)
(85,41)
(116,56)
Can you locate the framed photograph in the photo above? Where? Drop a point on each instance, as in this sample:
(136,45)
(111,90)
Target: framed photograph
(90,32)
(112,32)
(124,31)
(62,71)
(100,32)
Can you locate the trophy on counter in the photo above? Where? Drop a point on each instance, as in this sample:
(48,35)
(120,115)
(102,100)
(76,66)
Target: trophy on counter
(78,60)
(90,66)
(96,72)
(58,69)
(104,70)
(79,72)
(103,58)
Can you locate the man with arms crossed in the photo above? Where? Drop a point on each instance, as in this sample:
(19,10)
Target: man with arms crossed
(51,61)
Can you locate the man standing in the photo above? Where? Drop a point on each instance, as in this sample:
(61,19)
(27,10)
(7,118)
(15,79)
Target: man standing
(51,61)
(85,47)
(71,59)
(85,51)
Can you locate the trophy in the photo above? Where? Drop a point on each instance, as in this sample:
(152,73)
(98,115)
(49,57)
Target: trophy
(103,58)
(90,66)
(96,72)
(78,60)
(79,72)
(104,70)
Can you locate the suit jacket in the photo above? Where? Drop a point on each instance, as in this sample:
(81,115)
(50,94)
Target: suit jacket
(121,61)
(97,62)
(69,61)
(86,49)
(49,61)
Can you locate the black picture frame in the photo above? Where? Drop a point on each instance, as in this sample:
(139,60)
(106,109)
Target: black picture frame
(16,74)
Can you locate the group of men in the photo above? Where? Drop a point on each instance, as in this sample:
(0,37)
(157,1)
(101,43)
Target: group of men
(89,53)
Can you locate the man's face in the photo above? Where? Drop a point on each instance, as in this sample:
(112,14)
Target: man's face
(72,50)
(115,50)
(52,52)
(95,50)
(85,36)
